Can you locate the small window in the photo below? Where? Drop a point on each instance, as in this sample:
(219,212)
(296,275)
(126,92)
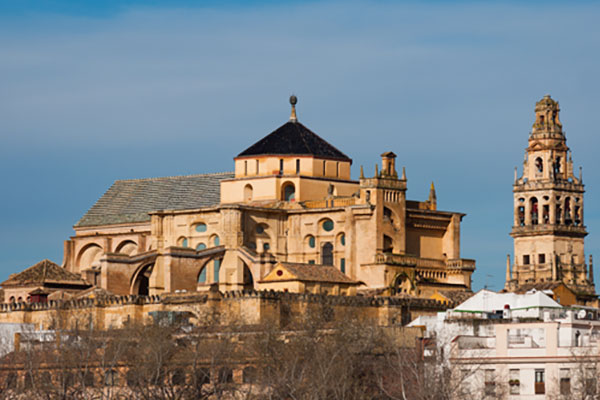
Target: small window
(343,239)
(526,259)
(245,167)
(514,381)
(217,241)
(260,229)
(289,192)
(327,254)
(337,169)
(323,167)
(311,261)
(328,225)
(490,382)
(257,167)
(343,265)
(297,166)
(201,246)
(565,382)
(281,167)
(540,387)
(201,227)
(541,258)
(266,246)
(311,242)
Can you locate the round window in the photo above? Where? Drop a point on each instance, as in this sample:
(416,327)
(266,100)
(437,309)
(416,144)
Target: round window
(201,227)
(328,225)
(279,272)
(311,241)
(260,229)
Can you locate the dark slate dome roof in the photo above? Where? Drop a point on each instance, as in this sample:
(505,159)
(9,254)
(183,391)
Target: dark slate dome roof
(293,138)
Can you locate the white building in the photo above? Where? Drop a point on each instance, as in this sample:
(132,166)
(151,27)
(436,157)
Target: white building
(519,346)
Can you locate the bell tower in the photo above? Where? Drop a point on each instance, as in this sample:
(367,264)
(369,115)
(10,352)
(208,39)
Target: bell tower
(548,228)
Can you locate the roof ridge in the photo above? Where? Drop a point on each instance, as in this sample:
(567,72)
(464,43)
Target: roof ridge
(311,131)
(174,176)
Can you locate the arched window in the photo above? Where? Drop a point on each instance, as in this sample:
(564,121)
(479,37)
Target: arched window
(248,192)
(310,239)
(200,246)
(327,254)
(182,242)
(289,192)
(200,227)
(534,210)
(539,164)
(568,219)
(215,240)
(342,237)
(141,285)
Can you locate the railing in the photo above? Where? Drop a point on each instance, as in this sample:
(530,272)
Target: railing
(342,202)
(402,259)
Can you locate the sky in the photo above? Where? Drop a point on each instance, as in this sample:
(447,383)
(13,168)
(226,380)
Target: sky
(92,92)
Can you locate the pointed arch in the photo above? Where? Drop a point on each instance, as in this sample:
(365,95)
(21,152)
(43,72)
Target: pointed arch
(141,280)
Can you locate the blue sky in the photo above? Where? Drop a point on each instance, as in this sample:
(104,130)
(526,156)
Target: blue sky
(91,92)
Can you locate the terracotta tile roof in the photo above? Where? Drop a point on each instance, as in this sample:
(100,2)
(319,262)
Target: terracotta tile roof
(317,273)
(44,272)
(457,296)
(293,138)
(131,200)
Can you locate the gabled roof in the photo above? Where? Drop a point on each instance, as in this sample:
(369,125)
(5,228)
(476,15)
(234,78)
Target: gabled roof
(488,301)
(129,201)
(307,273)
(44,272)
(293,138)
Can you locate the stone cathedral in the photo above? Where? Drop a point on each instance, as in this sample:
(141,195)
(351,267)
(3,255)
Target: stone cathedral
(289,218)
(548,229)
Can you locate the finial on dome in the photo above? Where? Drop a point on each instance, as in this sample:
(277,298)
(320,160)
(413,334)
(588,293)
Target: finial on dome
(293,101)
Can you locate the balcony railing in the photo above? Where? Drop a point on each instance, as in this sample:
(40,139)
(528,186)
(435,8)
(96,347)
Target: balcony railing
(402,259)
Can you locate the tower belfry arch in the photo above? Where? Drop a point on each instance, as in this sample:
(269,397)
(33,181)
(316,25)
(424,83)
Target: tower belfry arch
(548,228)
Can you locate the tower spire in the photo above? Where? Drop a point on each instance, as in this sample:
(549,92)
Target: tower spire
(508,274)
(293,101)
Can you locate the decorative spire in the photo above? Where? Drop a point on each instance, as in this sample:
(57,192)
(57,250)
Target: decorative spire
(376,171)
(293,101)
(403,174)
(432,198)
(516,175)
(591,273)
(580,174)
(508,274)
(362,172)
